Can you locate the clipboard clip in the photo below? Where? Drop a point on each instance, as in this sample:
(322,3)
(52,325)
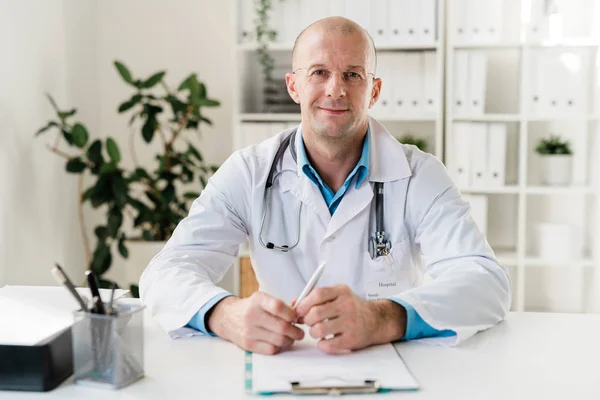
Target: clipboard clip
(368,386)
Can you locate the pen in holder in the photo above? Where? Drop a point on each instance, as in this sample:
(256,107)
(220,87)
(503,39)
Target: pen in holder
(108,350)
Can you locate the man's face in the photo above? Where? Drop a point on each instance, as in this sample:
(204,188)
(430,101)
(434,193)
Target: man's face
(333,81)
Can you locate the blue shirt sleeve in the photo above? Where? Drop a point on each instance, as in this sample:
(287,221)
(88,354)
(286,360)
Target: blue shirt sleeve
(197,322)
(416,328)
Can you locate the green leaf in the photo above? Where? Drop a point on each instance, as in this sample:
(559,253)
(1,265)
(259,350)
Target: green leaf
(108,168)
(113,150)
(206,120)
(94,153)
(193,150)
(120,190)
(51,100)
(135,291)
(121,246)
(75,165)
(102,259)
(125,74)
(147,235)
(45,128)
(80,135)
(148,129)
(208,103)
(153,80)
(65,114)
(130,103)
(191,195)
(186,84)
(115,219)
(68,137)
(101,232)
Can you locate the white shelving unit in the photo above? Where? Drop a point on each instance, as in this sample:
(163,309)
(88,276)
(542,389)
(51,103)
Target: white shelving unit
(249,80)
(517,207)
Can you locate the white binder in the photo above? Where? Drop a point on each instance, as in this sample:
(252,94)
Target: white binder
(536,95)
(458,21)
(360,12)
(576,101)
(554,74)
(278,21)
(384,105)
(477,83)
(476,20)
(412,82)
(537,29)
(430,82)
(494,21)
(460,156)
(380,19)
(398,21)
(400,89)
(496,154)
(426,17)
(461,82)
(411,22)
(292,24)
(479,154)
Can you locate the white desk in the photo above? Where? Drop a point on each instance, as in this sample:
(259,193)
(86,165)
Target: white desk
(528,356)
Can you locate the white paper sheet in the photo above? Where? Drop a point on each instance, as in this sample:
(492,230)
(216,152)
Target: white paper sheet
(30,314)
(306,364)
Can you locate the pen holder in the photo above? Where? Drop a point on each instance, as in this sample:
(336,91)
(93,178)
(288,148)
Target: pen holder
(108,350)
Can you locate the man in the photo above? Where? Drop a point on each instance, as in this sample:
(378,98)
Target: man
(321,206)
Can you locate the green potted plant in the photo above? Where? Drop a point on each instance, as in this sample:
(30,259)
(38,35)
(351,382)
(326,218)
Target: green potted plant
(556,160)
(151,200)
(409,138)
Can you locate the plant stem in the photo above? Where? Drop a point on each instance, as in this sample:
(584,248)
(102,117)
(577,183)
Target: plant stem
(59,152)
(82,227)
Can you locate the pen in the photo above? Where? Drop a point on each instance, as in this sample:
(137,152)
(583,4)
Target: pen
(62,278)
(310,284)
(98,307)
(112,298)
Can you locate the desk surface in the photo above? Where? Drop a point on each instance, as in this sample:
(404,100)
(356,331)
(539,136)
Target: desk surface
(530,355)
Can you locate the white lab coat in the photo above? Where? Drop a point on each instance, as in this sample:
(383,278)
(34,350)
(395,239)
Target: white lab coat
(429,225)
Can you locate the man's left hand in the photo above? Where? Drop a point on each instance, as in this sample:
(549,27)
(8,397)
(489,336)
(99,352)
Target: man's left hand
(354,322)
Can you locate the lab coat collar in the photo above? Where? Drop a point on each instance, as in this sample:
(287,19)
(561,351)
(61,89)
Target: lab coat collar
(387,160)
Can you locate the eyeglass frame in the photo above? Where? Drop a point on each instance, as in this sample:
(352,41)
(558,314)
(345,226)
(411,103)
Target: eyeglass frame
(320,66)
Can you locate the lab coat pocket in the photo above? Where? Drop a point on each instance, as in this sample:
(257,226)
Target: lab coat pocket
(391,275)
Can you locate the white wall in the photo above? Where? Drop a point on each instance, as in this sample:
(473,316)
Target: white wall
(67,47)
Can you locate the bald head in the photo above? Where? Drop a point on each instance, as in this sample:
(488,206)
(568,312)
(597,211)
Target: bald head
(337,26)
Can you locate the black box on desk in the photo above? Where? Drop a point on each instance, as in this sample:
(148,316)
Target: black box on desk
(37,368)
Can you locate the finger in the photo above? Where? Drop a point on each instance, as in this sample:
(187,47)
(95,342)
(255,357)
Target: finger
(278,308)
(322,312)
(328,327)
(316,297)
(276,339)
(279,326)
(260,347)
(335,345)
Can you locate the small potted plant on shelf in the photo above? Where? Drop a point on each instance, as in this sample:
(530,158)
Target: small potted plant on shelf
(556,160)
(414,140)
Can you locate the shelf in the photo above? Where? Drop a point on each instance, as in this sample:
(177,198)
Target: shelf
(381,47)
(568,43)
(282,117)
(489,118)
(565,264)
(506,45)
(508,189)
(590,117)
(560,190)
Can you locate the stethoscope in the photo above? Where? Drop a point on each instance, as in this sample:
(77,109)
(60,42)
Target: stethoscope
(379,245)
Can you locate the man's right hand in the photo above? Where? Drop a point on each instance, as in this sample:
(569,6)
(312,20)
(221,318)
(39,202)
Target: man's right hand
(259,323)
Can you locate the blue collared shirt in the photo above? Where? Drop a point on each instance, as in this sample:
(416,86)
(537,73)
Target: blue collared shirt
(416,327)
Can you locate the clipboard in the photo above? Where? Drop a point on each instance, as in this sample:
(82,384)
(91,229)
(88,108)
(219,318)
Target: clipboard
(372,370)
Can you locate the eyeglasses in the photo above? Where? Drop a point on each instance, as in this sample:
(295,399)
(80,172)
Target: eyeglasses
(319,75)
